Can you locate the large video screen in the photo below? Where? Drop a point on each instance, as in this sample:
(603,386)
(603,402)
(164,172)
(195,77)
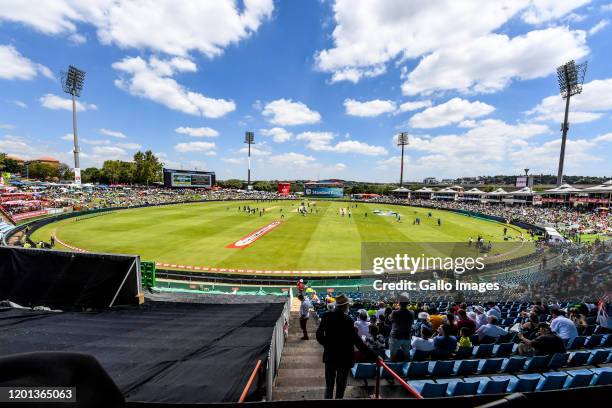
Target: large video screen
(324,192)
(190,180)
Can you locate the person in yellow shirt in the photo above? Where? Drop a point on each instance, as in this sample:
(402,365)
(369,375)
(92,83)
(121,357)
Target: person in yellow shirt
(464,340)
(435,318)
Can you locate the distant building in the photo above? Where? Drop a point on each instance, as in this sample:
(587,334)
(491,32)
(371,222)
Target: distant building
(430,180)
(51,161)
(16,158)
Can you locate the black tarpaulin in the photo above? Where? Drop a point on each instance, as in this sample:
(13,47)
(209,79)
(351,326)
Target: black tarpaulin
(159,352)
(67,280)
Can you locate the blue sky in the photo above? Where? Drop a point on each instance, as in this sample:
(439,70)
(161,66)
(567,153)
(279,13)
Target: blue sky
(324,85)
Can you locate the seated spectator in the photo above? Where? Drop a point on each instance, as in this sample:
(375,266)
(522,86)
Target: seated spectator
(546,343)
(362,325)
(530,327)
(493,310)
(481,317)
(422,321)
(444,343)
(579,320)
(423,342)
(435,319)
(465,321)
(490,329)
(564,327)
(464,340)
(450,320)
(376,341)
(383,328)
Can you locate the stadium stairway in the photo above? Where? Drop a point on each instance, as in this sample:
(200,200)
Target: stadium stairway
(301,375)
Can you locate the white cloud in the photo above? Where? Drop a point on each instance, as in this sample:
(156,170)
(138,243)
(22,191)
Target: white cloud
(598,27)
(371,108)
(171,27)
(606,7)
(285,112)
(21,104)
(68,136)
(13,65)
(339,167)
(113,133)
(369,35)
(452,111)
(541,11)
(129,145)
(51,101)
(6,126)
(197,132)
(412,106)
(187,147)
(153,80)
(321,141)
(292,160)
(489,63)
(595,99)
(110,152)
(278,134)
(77,39)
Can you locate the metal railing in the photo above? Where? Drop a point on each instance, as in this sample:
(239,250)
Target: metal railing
(247,387)
(380,363)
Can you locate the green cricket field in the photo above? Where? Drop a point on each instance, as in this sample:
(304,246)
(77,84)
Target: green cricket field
(224,235)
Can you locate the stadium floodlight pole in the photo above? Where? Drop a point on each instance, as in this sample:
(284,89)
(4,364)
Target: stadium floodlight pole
(249,138)
(570,77)
(402,140)
(72,83)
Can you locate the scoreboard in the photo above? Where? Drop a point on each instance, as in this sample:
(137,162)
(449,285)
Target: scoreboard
(188,179)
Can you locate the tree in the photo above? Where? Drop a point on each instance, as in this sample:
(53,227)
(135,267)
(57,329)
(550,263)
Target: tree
(233,183)
(91,175)
(264,186)
(111,171)
(147,168)
(42,171)
(10,165)
(65,172)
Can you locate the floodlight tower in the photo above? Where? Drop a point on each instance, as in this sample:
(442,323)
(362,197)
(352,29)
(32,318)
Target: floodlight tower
(72,83)
(571,77)
(249,139)
(402,140)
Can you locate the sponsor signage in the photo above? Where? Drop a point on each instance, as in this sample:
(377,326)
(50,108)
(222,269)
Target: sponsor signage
(254,236)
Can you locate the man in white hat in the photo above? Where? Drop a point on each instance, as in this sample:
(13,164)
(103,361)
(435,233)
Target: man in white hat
(338,336)
(401,330)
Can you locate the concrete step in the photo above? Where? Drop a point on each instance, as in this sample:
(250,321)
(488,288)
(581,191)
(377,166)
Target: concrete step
(308,373)
(285,381)
(298,361)
(310,393)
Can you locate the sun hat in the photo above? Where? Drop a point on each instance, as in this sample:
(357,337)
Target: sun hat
(342,300)
(404,298)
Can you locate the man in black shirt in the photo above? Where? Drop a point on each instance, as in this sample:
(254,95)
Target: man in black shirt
(546,343)
(338,336)
(401,330)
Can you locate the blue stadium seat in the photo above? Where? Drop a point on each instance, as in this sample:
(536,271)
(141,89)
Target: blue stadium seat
(429,389)
(464,352)
(576,342)
(398,368)
(603,376)
(484,351)
(578,378)
(494,385)
(558,360)
(593,341)
(536,363)
(504,350)
(419,355)
(552,381)
(524,383)
(458,388)
(514,364)
(466,367)
(364,371)
(578,358)
(416,369)
(490,365)
(441,368)
(598,357)
(487,340)
(607,341)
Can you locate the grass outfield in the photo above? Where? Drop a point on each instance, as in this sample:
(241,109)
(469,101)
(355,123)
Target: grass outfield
(197,234)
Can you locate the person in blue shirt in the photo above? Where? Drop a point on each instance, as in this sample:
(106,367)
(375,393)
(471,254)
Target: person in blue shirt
(444,343)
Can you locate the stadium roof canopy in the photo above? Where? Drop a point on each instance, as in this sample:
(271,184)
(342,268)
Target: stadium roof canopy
(475,191)
(563,189)
(523,191)
(424,190)
(499,191)
(401,190)
(602,188)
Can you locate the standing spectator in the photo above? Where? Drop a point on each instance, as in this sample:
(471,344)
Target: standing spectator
(337,335)
(362,325)
(300,287)
(304,315)
(401,329)
(564,327)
